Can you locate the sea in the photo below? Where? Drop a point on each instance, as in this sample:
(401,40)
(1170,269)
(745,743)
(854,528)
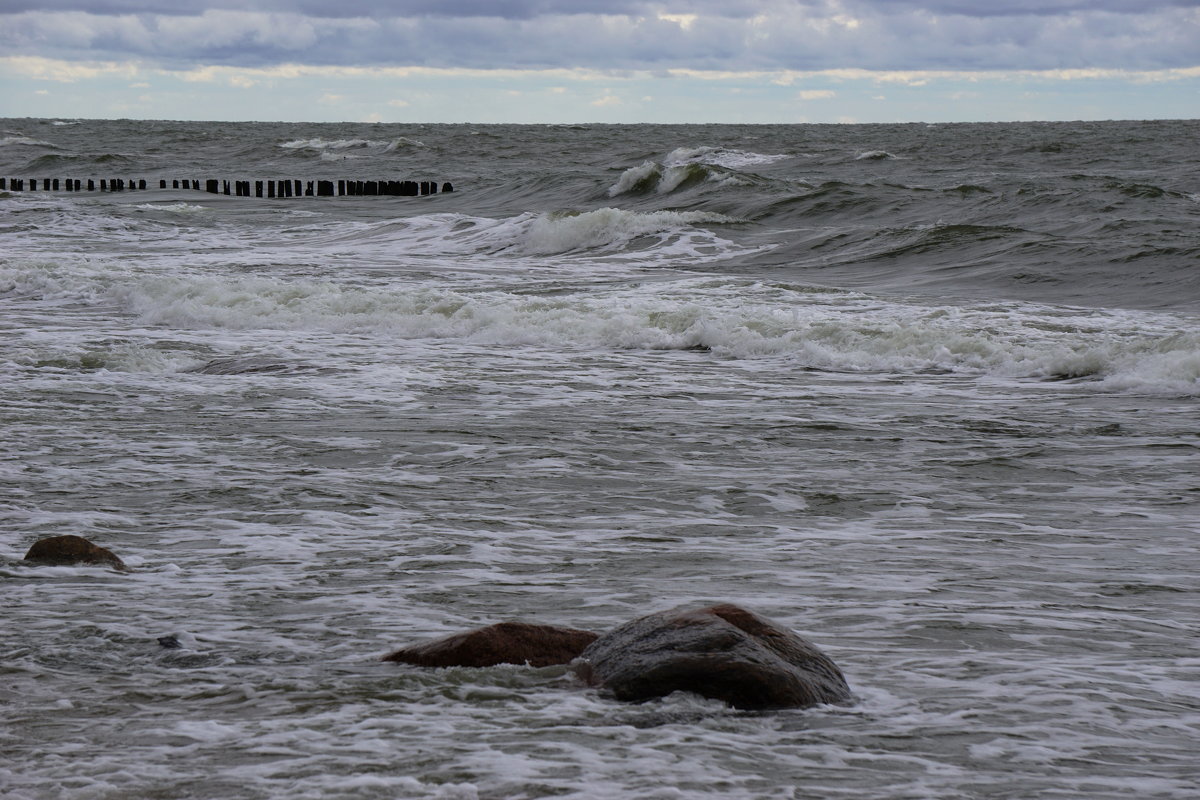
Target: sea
(928,395)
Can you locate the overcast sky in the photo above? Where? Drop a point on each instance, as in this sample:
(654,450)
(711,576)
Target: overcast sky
(601,60)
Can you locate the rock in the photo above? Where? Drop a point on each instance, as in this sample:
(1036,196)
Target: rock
(722,652)
(59,550)
(503,643)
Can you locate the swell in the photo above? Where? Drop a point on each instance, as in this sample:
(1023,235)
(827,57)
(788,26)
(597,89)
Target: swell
(1090,240)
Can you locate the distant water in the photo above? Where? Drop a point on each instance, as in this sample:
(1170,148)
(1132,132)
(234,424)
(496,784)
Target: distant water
(929,395)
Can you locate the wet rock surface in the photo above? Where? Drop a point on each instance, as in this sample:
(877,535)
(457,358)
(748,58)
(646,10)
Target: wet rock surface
(722,652)
(69,549)
(503,643)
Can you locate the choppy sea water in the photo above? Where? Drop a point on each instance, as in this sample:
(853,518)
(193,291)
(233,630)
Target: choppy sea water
(929,395)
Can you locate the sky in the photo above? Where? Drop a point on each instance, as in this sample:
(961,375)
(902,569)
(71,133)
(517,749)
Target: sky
(618,61)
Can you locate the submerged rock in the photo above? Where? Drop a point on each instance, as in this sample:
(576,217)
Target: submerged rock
(722,652)
(503,643)
(59,550)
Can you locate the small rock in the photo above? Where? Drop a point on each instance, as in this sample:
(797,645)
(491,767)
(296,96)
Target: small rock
(60,550)
(722,652)
(503,643)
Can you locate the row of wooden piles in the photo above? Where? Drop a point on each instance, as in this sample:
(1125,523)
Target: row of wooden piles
(277,188)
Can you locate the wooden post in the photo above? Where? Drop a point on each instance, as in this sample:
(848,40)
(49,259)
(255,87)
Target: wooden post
(3,184)
(92,185)
(211,186)
(447,188)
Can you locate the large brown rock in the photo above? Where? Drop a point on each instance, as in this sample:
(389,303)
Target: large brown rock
(723,652)
(59,550)
(503,643)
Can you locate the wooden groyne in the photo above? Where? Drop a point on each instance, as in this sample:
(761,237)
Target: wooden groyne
(284,187)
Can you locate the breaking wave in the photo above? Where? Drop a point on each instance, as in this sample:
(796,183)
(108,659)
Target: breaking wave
(685,167)
(810,329)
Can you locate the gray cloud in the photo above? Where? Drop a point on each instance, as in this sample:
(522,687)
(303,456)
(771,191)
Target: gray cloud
(529,9)
(727,35)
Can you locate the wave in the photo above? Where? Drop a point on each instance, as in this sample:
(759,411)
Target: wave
(403,143)
(330,144)
(607,228)
(77,161)
(136,357)
(719,156)
(654,178)
(809,329)
(26,141)
(875,155)
(685,167)
(174,208)
(681,236)
(318,143)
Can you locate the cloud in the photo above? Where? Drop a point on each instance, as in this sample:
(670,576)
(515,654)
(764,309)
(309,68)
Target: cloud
(615,35)
(816,94)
